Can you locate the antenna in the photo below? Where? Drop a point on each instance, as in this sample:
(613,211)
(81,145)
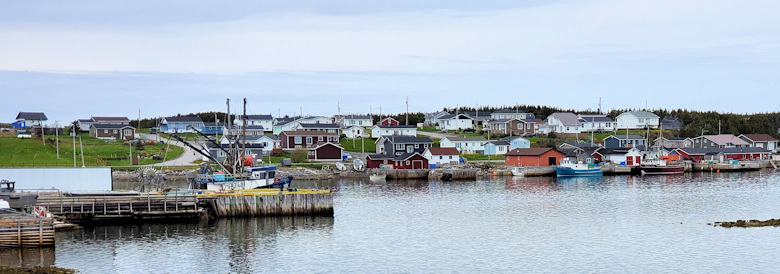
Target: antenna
(407,110)
(600,105)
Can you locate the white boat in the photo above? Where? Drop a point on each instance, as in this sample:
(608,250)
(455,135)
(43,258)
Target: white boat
(518,171)
(570,168)
(378,177)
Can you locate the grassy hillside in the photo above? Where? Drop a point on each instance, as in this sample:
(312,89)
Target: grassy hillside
(357,145)
(32,152)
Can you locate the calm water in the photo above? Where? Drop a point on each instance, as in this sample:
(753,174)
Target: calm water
(609,224)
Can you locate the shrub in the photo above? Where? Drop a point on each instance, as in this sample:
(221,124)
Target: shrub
(299,155)
(276,152)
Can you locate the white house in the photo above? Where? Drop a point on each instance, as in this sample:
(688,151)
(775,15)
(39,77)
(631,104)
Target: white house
(326,127)
(353,132)
(431,119)
(441,155)
(517,142)
(315,120)
(563,122)
(455,122)
(266,121)
(465,144)
(349,120)
(269,142)
(627,156)
(637,120)
(29,119)
(511,114)
(379,131)
(496,147)
(596,123)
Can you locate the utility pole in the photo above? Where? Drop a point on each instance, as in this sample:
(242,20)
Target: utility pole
(81,145)
(43,133)
(73,129)
(139,120)
(407,110)
(129,146)
(600,105)
(57,138)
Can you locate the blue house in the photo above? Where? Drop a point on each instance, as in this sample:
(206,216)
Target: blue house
(496,147)
(516,142)
(210,128)
(181,124)
(29,119)
(623,141)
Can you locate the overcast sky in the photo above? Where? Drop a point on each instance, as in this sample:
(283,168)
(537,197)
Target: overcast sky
(76,59)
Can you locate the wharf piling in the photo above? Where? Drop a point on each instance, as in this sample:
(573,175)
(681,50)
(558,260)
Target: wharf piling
(406,173)
(453,174)
(25,230)
(81,209)
(539,171)
(269,202)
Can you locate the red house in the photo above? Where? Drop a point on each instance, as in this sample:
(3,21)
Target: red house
(377,160)
(533,157)
(723,154)
(389,121)
(290,140)
(325,151)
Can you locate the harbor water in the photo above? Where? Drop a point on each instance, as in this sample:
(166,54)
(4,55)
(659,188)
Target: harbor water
(504,224)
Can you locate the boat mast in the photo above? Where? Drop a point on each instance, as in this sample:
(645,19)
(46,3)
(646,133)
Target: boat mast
(243,132)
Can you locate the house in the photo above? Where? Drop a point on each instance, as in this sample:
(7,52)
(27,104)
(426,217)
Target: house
(238,130)
(719,155)
(413,160)
(671,123)
(350,120)
(721,140)
(326,127)
(496,147)
(580,155)
(475,144)
(290,140)
(315,120)
(284,125)
(596,123)
(511,114)
(84,124)
(118,120)
(181,124)
(438,156)
(264,120)
(621,156)
(540,126)
(673,142)
(637,120)
(218,152)
(398,145)
(325,151)
(381,130)
(764,141)
(389,121)
(290,124)
(624,141)
(533,157)
(354,132)
(212,128)
(575,144)
(112,131)
(564,122)
(432,118)
(517,142)
(455,122)
(269,142)
(480,117)
(29,119)
(516,127)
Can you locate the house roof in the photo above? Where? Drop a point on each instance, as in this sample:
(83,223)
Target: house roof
(511,138)
(184,119)
(534,151)
(284,120)
(356,116)
(455,116)
(466,139)
(504,121)
(109,119)
(31,116)
(672,138)
(388,118)
(406,156)
(566,118)
(724,139)
(670,119)
(729,150)
(322,144)
(641,114)
(509,111)
(760,137)
(499,143)
(606,151)
(238,127)
(314,125)
(395,126)
(307,133)
(624,137)
(595,118)
(577,143)
(379,156)
(259,117)
(402,139)
(110,126)
(443,151)
(85,120)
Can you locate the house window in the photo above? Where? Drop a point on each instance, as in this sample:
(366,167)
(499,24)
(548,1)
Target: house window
(298,139)
(105,131)
(408,163)
(114,131)
(308,140)
(416,145)
(320,138)
(441,157)
(450,157)
(399,147)
(128,132)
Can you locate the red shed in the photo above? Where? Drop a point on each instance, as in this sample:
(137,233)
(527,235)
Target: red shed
(410,161)
(377,160)
(533,157)
(389,121)
(325,151)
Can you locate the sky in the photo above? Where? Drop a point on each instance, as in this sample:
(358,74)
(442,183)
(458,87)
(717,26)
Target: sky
(76,59)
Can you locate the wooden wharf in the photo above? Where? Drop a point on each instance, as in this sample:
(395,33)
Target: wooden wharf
(269,202)
(98,208)
(25,230)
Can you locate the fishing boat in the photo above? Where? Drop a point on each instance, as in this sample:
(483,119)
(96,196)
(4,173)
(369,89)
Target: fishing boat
(378,177)
(660,167)
(570,168)
(16,200)
(518,171)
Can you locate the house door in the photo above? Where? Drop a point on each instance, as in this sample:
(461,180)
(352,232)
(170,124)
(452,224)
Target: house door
(630,161)
(637,159)
(418,164)
(551,161)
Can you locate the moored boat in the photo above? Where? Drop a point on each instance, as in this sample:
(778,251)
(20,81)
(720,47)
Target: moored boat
(378,177)
(570,168)
(518,171)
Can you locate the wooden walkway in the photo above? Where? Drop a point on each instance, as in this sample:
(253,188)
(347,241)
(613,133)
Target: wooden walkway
(270,202)
(115,208)
(25,230)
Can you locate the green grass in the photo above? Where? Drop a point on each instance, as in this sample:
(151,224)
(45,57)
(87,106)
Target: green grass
(481,157)
(347,144)
(32,152)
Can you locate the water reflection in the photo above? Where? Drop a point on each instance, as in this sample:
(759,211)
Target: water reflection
(27,257)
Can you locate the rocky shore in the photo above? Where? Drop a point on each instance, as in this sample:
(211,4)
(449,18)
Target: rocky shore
(750,223)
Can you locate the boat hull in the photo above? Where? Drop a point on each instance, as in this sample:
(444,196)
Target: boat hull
(661,170)
(563,171)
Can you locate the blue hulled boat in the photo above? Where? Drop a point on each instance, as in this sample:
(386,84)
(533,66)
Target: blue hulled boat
(570,168)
